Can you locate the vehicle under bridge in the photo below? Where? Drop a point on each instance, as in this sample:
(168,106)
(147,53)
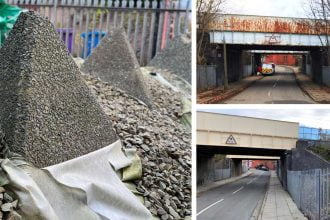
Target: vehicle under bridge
(242,138)
(242,35)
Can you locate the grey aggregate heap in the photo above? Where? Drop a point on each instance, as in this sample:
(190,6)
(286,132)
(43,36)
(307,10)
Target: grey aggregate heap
(114,61)
(161,141)
(175,58)
(48,114)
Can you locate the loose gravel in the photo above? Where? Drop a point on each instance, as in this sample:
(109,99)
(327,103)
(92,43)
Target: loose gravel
(162,142)
(175,58)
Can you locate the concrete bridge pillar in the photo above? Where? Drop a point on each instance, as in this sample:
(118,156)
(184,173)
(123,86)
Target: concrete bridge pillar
(256,62)
(317,63)
(235,64)
(205,168)
(303,64)
(284,166)
(236,169)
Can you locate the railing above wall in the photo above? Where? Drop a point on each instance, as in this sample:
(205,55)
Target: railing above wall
(81,24)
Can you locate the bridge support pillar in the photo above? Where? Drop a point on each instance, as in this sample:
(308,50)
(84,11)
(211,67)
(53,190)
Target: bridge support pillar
(283,168)
(236,168)
(303,64)
(316,56)
(205,168)
(256,62)
(235,64)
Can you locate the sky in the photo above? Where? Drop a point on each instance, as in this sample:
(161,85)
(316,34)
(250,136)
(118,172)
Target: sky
(317,118)
(282,8)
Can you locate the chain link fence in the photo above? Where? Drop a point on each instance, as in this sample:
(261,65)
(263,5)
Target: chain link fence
(310,190)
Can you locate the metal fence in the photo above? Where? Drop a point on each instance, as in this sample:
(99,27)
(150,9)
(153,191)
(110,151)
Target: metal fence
(308,133)
(82,23)
(220,174)
(206,77)
(310,190)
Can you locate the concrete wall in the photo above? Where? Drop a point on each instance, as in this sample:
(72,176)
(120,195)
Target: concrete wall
(214,130)
(326,75)
(316,58)
(235,65)
(300,159)
(209,169)
(205,169)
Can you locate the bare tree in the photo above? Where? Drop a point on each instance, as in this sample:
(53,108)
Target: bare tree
(207,11)
(319,11)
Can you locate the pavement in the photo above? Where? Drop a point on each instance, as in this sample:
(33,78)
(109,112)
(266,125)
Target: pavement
(233,201)
(217,95)
(280,88)
(319,93)
(278,205)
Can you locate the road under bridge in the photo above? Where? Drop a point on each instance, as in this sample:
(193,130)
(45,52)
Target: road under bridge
(244,37)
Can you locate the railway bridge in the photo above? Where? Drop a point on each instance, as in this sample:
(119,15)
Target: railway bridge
(240,138)
(248,37)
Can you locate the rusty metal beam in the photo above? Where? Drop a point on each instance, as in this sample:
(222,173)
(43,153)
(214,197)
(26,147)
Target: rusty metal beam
(243,23)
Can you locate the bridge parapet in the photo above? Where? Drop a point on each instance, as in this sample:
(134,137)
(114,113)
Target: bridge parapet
(265,24)
(245,132)
(263,30)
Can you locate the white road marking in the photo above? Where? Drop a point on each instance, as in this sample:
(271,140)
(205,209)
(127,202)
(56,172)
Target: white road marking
(209,207)
(238,190)
(269,93)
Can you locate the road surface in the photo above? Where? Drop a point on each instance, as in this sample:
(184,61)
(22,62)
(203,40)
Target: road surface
(280,88)
(233,201)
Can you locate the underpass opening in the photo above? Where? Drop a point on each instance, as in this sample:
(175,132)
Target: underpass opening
(222,162)
(240,34)
(243,138)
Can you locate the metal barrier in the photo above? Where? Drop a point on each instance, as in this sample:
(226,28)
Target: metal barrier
(308,133)
(82,23)
(206,77)
(310,190)
(220,174)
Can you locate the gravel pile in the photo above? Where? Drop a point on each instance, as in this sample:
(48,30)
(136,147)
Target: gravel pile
(175,58)
(8,203)
(48,114)
(161,141)
(114,61)
(8,206)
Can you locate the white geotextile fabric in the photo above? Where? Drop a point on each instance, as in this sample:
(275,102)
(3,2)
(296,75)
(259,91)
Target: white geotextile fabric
(86,187)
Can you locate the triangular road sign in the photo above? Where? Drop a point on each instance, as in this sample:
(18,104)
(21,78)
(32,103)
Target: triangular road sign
(231,140)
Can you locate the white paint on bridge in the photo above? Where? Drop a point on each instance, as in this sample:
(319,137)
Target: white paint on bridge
(214,129)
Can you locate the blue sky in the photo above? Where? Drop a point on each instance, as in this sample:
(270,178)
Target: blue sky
(318,118)
(282,8)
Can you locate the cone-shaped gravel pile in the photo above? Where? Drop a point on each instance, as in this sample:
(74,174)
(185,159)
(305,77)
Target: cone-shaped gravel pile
(114,61)
(48,114)
(175,58)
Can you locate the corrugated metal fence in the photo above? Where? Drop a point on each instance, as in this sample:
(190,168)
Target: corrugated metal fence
(82,23)
(310,190)
(206,77)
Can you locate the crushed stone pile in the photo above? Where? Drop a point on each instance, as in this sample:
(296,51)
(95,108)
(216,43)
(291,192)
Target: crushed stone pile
(162,142)
(114,61)
(48,114)
(8,202)
(175,58)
